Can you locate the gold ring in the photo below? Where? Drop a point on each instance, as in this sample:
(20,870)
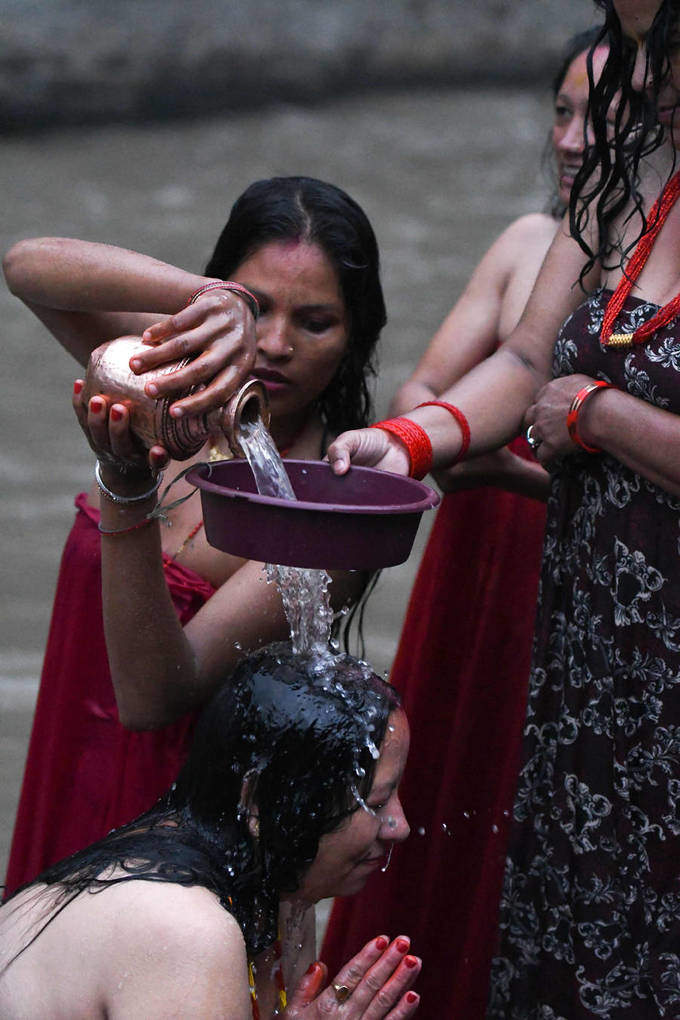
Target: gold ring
(342,992)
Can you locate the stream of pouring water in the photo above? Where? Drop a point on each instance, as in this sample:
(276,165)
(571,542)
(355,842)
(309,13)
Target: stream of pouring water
(305,594)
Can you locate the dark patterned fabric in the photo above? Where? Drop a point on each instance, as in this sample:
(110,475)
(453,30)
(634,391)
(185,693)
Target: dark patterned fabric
(590,912)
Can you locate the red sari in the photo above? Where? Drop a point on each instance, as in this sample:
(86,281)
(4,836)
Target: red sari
(85,774)
(462,669)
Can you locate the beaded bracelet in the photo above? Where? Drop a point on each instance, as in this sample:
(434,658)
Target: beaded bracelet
(124,500)
(237,288)
(462,421)
(416,441)
(576,408)
(125,531)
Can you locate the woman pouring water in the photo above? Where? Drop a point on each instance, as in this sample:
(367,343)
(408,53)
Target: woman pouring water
(178,612)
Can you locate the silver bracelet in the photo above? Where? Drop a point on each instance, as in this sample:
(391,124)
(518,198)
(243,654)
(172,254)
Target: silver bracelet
(125,500)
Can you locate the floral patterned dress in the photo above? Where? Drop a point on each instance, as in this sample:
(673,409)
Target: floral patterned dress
(590,912)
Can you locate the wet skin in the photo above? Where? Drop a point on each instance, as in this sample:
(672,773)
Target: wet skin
(349,855)
(303,329)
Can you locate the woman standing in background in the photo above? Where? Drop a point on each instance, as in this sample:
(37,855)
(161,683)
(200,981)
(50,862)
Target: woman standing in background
(466,641)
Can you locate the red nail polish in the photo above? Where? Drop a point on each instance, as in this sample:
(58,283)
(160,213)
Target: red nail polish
(410,961)
(312,967)
(97,405)
(411,997)
(77,387)
(382,943)
(402,945)
(116,414)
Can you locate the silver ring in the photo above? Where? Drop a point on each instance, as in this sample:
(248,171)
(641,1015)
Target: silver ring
(532,440)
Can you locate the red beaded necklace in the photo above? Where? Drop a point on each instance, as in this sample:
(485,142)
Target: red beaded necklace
(656,219)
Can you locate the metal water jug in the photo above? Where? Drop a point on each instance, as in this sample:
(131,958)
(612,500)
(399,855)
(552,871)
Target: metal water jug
(109,374)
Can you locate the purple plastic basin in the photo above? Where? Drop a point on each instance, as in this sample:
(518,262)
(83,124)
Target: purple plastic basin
(363,520)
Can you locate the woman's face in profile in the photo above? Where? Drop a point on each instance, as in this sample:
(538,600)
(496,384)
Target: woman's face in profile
(303,328)
(349,855)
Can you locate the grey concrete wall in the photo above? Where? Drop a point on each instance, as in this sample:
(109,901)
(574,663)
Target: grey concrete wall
(85,61)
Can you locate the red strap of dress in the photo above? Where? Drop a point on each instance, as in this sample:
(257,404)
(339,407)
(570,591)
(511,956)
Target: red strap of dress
(655,221)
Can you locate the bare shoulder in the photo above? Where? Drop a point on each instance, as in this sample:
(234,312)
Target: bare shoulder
(527,237)
(533,229)
(174,948)
(145,908)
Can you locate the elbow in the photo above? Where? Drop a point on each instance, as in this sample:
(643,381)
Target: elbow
(17,264)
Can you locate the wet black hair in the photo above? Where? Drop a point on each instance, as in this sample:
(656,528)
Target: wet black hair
(608,180)
(578,44)
(306,209)
(295,739)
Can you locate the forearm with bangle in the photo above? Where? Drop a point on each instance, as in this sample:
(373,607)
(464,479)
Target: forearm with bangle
(132,512)
(235,288)
(417,441)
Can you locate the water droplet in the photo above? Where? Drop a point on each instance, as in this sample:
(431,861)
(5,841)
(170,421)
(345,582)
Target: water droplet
(494,828)
(389,858)
(466,814)
(421,831)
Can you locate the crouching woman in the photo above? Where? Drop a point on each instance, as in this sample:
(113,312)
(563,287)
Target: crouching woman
(203,906)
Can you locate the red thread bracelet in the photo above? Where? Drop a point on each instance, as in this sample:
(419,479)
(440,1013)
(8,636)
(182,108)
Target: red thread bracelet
(576,408)
(416,441)
(237,288)
(462,421)
(125,531)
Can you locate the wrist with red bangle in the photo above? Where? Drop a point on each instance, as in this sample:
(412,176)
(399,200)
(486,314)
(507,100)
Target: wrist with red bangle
(575,409)
(462,422)
(235,288)
(416,441)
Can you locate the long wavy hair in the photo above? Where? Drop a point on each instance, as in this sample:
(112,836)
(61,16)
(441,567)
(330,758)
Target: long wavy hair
(305,209)
(608,182)
(293,738)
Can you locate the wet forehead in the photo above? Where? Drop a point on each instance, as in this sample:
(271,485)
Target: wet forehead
(636,16)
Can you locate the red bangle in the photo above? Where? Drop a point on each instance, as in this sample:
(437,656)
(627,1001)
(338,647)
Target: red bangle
(416,441)
(237,288)
(462,421)
(576,408)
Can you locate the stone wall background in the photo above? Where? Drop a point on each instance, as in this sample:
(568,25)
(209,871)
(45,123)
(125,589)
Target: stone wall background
(94,61)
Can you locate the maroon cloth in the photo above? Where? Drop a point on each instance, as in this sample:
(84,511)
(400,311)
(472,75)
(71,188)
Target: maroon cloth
(462,667)
(85,774)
